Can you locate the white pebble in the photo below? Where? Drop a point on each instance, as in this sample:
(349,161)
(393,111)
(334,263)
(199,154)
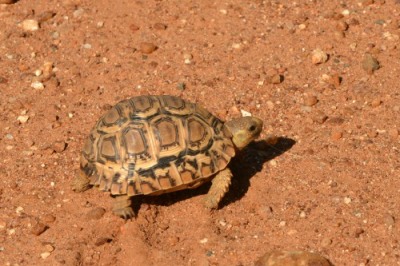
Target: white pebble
(282,223)
(30,25)
(87,46)
(346,12)
(37,85)
(347,200)
(19,210)
(45,255)
(23,119)
(245,113)
(203,241)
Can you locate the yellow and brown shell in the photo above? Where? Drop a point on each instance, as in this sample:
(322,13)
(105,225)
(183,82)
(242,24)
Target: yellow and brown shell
(153,145)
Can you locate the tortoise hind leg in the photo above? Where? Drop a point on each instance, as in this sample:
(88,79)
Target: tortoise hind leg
(122,206)
(219,187)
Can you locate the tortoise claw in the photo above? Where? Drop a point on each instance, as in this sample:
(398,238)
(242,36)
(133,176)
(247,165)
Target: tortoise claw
(122,207)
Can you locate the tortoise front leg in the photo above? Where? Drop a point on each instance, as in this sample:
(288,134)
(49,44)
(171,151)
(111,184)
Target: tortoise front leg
(219,187)
(122,206)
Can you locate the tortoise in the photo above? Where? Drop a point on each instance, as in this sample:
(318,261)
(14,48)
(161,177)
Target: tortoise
(159,144)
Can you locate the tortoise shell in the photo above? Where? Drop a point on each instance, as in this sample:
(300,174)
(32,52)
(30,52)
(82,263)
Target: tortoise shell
(155,144)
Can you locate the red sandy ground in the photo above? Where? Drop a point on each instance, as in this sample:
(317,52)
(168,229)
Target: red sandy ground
(330,185)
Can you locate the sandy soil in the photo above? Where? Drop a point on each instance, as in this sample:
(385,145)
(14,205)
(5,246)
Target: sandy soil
(323,77)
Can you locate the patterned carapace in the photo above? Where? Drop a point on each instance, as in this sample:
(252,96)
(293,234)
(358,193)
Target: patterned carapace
(153,145)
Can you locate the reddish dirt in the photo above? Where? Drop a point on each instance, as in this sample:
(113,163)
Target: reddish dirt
(330,184)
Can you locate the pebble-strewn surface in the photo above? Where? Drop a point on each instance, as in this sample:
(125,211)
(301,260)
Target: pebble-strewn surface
(322,75)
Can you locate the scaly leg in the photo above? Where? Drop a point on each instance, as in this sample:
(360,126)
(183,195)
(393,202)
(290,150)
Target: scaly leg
(220,185)
(122,207)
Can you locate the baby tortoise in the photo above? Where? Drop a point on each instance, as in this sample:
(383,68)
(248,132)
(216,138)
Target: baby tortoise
(159,144)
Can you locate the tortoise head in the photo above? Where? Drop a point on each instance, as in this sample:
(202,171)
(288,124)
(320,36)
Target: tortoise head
(244,130)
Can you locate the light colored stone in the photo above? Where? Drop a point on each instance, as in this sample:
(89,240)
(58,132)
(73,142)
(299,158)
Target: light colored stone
(30,25)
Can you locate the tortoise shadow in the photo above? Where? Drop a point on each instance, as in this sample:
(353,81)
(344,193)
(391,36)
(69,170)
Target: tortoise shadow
(253,157)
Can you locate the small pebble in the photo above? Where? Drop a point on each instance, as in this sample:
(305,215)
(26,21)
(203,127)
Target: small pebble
(203,241)
(326,242)
(147,47)
(3,80)
(310,100)
(9,136)
(370,64)
(59,146)
(37,85)
(95,213)
(336,134)
(342,26)
(39,228)
(389,220)
(160,26)
(48,218)
(78,13)
(318,56)
(275,79)
(45,16)
(45,255)
(347,200)
(100,24)
(102,240)
(49,248)
(319,117)
(23,119)
(134,27)
(30,25)
(245,113)
(87,46)
(376,102)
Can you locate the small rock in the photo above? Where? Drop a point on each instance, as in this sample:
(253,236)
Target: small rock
(37,85)
(147,47)
(326,242)
(102,240)
(376,102)
(319,117)
(59,146)
(245,113)
(358,232)
(48,218)
(78,13)
(389,220)
(160,26)
(336,134)
(49,248)
(30,25)
(45,255)
(23,119)
(95,213)
(39,228)
(45,16)
(310,100)
(275,79)
(335,121)
(3,80)
(370,64)
(342,26)
(292,258)
(318,56)
(87,46)
(134,27)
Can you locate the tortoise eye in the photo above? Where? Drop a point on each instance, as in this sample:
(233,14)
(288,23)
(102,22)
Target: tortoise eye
(252,128)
